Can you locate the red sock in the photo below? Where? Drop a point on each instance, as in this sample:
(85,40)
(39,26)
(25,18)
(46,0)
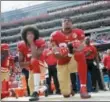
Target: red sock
(82,67)
(35,65)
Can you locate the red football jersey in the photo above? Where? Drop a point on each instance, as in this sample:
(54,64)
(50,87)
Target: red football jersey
(92,50)
(50,59)
(106,61)
(5,65)
(59,37)
(26,51)
(5,60)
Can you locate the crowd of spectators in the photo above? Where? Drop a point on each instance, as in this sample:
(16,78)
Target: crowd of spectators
(98,39)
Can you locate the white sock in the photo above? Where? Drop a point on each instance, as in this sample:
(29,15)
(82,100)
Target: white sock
(43,88)
(36,81)
(83,85)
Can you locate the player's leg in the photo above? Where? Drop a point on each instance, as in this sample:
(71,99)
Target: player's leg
(82,72)
(49,79)
(72,67)
(4,82)
(55,78)
(64,80)
(36,76)
(4,76)
(31,82)
(73,82)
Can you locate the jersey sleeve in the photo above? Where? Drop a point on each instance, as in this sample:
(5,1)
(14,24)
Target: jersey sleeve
(80,34)
(40,43)
(54,38)
(20,47)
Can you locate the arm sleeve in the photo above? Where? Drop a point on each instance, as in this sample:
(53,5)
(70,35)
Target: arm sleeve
(20,47)
(81,34)
(53,38)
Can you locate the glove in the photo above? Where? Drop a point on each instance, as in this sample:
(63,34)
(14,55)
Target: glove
(74,46)
(63,51)
(76,43)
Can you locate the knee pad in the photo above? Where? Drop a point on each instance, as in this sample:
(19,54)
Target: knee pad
(35,65)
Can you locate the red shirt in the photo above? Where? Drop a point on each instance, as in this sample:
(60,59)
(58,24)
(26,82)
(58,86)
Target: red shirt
(92,50)
(59,37)
(5,64)
(26,51)
(106,61)
(50,59)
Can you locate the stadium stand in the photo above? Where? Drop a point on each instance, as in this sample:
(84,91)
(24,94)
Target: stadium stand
(92,16)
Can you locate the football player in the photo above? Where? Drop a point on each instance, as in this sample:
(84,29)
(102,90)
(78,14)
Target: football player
(70,63)
(30,57)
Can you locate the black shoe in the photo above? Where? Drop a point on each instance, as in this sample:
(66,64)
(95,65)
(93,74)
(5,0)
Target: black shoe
(34,97)
(46,93)
(95,90)
(58,92)
(50,92)
(75,91)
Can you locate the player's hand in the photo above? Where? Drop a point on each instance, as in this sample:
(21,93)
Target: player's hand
(55,50)
(64,51)
(77,45)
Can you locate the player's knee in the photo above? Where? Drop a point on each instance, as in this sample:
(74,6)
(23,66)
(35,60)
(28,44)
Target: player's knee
(65,88)
(34,61)
(35,65)
(65,91)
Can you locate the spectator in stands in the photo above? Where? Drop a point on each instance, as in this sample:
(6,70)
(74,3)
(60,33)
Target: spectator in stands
(92,59)
(52,62)
(106,61)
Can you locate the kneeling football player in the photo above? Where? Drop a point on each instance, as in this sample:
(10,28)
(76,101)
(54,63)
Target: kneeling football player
(30,52)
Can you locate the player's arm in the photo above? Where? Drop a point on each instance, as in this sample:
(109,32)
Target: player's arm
(37,48)
(21,61)
(59,52)
(96,57)
(81,38)
(36,52)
